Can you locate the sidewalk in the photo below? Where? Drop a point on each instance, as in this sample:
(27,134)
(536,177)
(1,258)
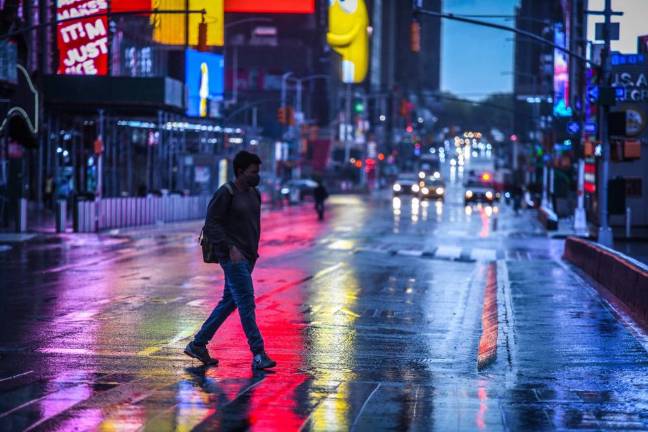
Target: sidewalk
(566,228)
(45,227)
(635,249)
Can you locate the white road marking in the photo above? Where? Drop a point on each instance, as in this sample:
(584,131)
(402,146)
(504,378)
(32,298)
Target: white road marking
(484,254)
(17,376)
(416,253)
(452,252)
(364,405)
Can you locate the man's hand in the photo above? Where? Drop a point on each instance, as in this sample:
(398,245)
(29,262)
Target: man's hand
(236,255)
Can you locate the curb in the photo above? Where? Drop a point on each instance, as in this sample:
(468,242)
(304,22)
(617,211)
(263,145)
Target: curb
(623,277)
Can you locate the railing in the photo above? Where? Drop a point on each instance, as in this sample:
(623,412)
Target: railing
(107,213)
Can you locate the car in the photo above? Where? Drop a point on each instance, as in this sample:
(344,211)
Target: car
(433,189)
(479,192)
(406,184)
(297,190)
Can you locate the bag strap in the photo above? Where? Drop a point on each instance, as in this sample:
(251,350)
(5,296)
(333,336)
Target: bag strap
(229,188)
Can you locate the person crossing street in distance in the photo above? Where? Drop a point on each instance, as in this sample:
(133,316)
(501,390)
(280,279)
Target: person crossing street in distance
(232,227)
(320,194)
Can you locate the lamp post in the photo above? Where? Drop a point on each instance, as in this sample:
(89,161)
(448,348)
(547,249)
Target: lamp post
(535,101)
(234,98)
(299,115)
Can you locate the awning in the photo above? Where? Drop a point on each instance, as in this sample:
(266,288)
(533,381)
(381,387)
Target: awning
(99,91)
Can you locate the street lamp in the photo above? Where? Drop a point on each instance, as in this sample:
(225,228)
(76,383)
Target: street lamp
(298,104)
(234,98)
(299,82)
(535,100)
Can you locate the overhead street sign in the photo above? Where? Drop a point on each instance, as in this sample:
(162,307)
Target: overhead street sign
(573,127)
(593,93)
(590,128)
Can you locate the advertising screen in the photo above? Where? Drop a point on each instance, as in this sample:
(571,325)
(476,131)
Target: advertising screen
(274,6)
(82,43)
(130,5)
(561,75)
(169,28)
(204,81)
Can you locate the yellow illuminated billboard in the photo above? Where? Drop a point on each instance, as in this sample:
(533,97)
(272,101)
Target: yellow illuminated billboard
(169,29)
(347,35)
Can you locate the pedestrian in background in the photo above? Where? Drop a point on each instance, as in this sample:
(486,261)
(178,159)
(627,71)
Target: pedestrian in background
(232,226)
(320,194)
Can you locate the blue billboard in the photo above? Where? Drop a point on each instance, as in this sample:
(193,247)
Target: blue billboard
(204,78)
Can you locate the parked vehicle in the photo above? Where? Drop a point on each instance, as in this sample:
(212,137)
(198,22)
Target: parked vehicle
(297,190)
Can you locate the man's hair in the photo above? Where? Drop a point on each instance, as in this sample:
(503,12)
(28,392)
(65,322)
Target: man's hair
(243,160)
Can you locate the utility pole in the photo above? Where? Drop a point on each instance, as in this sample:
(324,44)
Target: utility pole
(579,28)
(605,233)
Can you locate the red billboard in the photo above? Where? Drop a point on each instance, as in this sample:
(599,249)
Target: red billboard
(270,6)
(130,5)
(82,42)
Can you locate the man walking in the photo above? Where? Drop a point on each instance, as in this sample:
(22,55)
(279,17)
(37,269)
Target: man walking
(320,194)
(232,226)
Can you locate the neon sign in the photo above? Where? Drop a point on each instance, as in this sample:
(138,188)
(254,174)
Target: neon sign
(561,75)
(82,43)
(274,6)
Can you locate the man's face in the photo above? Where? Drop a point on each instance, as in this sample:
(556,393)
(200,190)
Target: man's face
(251,175)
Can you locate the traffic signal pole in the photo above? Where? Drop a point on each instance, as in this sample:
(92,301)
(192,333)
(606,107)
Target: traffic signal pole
(347,123)
(605,233)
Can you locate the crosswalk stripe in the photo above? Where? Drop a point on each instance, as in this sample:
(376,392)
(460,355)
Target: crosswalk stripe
(405,252)
(484,254)
(451,252)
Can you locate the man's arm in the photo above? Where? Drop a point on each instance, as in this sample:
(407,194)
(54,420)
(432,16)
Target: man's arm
(215,221)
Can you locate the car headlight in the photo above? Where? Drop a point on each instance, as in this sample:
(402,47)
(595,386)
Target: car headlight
(397,187)
(437,174)
(469,194)
(421,175)
(285,191)
(415,188)
(440,191)
(489,195)
(425,191)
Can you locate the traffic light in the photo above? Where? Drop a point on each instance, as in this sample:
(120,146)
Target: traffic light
(281,115)
(202,36)
(415,36)
(358,106)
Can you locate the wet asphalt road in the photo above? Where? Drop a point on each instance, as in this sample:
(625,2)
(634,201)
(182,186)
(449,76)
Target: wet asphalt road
(390,315)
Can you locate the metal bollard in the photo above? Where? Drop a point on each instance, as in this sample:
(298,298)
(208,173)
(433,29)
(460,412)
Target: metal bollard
(21,217)
(628,226)
(61,215)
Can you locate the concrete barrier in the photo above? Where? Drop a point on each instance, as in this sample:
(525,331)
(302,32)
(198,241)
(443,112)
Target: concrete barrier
(623,277)
(548,218)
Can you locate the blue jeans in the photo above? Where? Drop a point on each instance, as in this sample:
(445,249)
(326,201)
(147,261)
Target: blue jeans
(238,293)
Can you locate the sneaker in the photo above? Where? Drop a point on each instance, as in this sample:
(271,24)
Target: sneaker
(200,353)
(262,361)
